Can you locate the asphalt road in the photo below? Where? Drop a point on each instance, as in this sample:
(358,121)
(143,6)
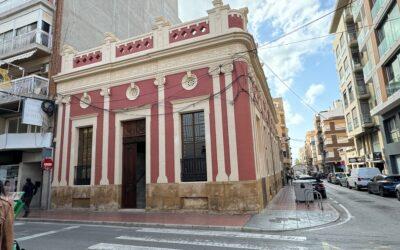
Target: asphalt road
(367,222)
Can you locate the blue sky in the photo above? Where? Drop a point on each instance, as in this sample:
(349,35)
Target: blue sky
(307,67)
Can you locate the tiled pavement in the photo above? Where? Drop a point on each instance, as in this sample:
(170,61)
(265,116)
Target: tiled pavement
(283,213)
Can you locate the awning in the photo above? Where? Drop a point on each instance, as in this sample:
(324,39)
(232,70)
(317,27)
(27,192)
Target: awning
(18,57)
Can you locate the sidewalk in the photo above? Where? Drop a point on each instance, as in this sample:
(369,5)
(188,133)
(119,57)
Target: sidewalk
(281,214)
(284,214)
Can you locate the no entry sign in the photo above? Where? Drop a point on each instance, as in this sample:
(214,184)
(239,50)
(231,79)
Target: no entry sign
(47,164)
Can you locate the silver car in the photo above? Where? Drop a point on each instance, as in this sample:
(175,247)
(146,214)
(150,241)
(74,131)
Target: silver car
(398,192)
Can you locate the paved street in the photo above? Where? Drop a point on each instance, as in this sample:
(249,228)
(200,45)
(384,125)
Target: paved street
(367,222)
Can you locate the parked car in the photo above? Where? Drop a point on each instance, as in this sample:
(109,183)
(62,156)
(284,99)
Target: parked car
(335,178)
(398,192)
(317,184)
(343,179)
(383,185)
(360,177)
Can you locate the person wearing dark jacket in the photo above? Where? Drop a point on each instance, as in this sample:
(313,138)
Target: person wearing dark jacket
(29,190)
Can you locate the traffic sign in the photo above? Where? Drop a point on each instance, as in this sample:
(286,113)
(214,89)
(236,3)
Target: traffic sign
(47,164)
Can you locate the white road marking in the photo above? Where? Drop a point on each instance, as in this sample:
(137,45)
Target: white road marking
(46,233)
(106,246)
(192,242)
(348,218)
(223,234)
(18,223)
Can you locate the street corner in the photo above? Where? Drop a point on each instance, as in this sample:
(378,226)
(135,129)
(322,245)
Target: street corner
(284,214)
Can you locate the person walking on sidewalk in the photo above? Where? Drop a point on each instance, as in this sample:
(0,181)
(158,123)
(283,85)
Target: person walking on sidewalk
(29,191)
(6,221)
(289,178)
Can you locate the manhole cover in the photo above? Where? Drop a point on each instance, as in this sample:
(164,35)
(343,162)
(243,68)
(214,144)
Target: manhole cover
(280,220)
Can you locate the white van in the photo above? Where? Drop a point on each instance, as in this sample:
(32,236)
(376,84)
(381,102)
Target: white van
(360,177)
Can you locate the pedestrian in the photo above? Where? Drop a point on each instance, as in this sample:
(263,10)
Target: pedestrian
(6,221)
(29,191)
(289,179)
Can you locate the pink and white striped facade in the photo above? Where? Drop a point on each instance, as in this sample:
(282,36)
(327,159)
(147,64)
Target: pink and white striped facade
(242,150)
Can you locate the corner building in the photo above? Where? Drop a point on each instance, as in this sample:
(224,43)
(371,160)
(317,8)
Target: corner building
(179,118)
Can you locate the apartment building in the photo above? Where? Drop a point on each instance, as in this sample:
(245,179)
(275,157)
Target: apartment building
(25,124)
(283,133)
(383,36)
(331,136)
(355,62)
(311,151)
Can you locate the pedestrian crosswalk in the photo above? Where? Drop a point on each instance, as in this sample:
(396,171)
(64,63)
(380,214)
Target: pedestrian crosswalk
(172,239)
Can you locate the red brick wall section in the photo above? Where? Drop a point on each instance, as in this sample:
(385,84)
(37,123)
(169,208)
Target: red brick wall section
(87,59)
(192,31)
(235,21)
(134,47)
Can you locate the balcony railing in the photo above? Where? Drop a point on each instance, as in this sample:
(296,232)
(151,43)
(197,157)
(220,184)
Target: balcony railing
(366,118)
(29,86)
(379,4)
(18,42)
(356,7)
(361,36)
(194,169)
(12,141)
(392,88)
(387,43)
(11,4)
(362,89)
(367,69)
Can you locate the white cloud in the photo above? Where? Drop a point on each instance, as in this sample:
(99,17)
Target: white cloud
(291,117)
(313,91)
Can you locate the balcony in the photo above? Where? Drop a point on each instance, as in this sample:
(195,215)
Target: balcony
(367,70)
(352,36)
(194,169)
(25,141)
(392,88)
(23,41)
(348,15)
(362,34)
(11,4)
(29,86)
(356,7)
(378,8)
(387,43)
(366,120)
(363,92)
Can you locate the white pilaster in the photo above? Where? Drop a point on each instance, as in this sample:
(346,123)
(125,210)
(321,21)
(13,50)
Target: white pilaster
(106,121)
(160,83)
(221,176)
(58,141)
(67,103)
(230,109)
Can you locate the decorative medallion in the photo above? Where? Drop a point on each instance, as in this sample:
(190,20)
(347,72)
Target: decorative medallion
(133,91)
(189,81)
(85,101)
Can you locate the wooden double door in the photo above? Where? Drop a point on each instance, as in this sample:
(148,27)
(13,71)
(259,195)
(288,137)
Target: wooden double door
(134,164)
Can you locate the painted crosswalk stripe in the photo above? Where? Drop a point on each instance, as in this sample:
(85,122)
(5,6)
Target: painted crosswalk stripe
(46,233)
(107,246)
(207,243)
(223,234)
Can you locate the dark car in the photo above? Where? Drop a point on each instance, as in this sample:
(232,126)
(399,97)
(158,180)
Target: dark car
(383,185)
(318,184)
